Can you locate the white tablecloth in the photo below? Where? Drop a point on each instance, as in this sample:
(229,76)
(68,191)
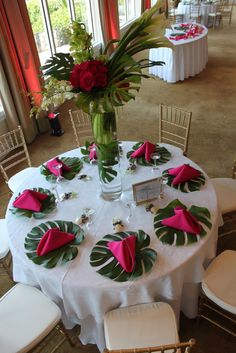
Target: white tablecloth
(205,10)
(186,59)
(83,295)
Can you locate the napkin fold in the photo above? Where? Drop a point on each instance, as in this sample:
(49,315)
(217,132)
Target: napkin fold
(146,149)
(53,239)
(183,220)
(92,152)
(183,173)
(52,166)
(124,252)
(30,200)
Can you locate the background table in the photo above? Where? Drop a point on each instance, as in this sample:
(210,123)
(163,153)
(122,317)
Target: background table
(186,59)
(83,295)
(205,10)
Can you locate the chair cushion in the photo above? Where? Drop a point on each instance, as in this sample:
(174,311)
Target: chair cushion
(4,245)
(226,193)
(27,316)
(143,325)
(18,178)
(219,283)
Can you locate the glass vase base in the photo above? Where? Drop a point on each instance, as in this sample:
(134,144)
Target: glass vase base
(111,196)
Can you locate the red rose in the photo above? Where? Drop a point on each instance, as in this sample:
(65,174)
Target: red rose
(86,82)
(89,74)
(75,76)
(100,80)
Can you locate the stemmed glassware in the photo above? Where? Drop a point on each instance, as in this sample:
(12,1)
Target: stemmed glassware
(164,181)
(128,201)
(58,167)
(155,156)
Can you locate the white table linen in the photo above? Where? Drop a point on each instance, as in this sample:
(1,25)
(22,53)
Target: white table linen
(187,58)
(83,295)
(204,12)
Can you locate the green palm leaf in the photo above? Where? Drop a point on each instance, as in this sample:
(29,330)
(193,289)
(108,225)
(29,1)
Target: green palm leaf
(102,256)
(58,256)
(59,66)
(187,186)
(176,237)
(163,152)
(48,206)
(74,163)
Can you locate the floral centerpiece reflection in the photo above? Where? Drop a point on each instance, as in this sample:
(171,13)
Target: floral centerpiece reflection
(101,83)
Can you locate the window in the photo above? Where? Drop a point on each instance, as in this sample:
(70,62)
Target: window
(128,11)
(50,20)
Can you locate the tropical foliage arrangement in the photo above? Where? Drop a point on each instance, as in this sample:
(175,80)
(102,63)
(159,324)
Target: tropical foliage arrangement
(165,156)
(58,256)
(187,186)
(176,237)
(48,205)
(109,266)
(104,81)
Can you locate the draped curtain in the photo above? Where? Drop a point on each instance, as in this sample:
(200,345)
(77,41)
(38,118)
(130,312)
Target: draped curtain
(109,15)
(20,63)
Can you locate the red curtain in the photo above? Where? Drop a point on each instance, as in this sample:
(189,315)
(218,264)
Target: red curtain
(17,31)
(109,19)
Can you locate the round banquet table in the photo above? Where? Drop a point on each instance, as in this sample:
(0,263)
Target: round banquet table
(187,58)
(206,8)
(83,295)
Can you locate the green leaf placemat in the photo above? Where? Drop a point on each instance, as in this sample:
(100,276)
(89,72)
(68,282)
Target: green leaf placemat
(187,186)
(48,205)
(85,152)
(58,256)
(177,237)
(102,256)
(164,153)
(73,162)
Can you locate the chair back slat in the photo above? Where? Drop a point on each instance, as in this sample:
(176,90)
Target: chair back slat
(82,127)
(174,126)
(12,146)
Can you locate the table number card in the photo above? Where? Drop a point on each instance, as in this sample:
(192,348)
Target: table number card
(146,190)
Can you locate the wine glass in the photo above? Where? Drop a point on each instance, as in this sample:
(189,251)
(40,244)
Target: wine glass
(155,156)
(58,167)
(128,201)
(164,181)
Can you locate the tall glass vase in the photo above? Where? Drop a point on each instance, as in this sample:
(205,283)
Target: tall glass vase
(105,134)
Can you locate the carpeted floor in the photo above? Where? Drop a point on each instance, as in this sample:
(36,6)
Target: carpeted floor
(211,96)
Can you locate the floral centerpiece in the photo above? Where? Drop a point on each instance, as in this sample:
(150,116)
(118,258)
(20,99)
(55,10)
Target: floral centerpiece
(101,83)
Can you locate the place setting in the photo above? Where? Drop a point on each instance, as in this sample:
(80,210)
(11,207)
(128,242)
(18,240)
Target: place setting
(35,202)
(184,178)
(148,154)
(53,243)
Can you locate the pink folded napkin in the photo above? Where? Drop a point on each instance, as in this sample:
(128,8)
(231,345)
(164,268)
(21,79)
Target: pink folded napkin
(30,200)
(183,220)
(54,163)
(146,149)
(92,152)
(53,239)
(124,252)
(183,173)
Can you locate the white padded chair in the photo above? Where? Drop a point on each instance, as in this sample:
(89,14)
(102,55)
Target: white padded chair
(226,192)
(13,151)
(27,317)
(135,327)
(219,292)
(5,254)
